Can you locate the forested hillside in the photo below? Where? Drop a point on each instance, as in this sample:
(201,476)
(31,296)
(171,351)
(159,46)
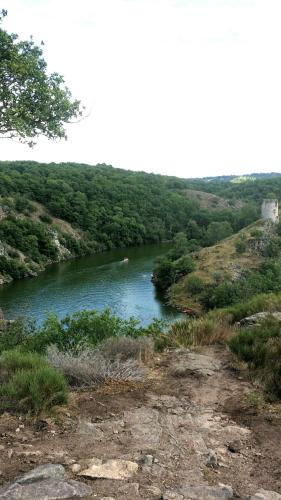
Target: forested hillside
(50,212)
(244,188)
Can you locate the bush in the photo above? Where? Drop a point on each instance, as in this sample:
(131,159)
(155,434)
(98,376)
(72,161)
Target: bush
(240,246)
(256,233)
(76,330)
(34,391)
(89,367)
(20,334)
(194,284)
(270,302)
(273,248)
(260,347)
(12,267)
(13,361)
(123,348)
(184,265)
(45,218)
(203,331)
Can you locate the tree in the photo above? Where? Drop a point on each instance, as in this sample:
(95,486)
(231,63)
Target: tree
(32,102)
(217,231)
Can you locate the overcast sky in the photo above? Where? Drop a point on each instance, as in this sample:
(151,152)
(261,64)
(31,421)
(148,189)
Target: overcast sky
(183,87)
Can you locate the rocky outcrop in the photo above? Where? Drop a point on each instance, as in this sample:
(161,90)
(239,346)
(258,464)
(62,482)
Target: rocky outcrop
(46,482)
(256,319)
(63,252)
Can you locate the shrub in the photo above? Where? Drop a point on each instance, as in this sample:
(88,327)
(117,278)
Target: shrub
(20,334)
(34,391)
(273,247)
(203,331)
(89,367)
(256,233)
(260,347)
(73,331)
(240,246)
(184,265)
(13,361)
(124,348)
(194,284)
(45,218)
(262,302)
(12,267)
(251,343)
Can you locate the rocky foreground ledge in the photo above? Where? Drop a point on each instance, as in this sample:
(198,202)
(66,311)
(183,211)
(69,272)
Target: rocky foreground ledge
(186,434)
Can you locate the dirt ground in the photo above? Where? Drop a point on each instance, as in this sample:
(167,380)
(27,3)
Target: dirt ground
(192,417)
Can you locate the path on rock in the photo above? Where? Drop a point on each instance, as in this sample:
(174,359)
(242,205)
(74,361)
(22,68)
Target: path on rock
(173,437)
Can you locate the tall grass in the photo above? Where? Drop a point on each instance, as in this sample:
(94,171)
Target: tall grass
(208,330)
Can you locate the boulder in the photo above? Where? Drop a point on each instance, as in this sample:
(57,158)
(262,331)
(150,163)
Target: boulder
(48,489)
(46,482)
(46,471)
(256,319)
(112,469)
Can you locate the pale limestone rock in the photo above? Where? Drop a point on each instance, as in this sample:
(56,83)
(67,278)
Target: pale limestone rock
(112,469)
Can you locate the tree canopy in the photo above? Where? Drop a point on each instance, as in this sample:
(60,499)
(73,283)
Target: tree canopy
(32,102)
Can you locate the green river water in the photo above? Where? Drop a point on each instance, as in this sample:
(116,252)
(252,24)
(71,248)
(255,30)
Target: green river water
(95,282)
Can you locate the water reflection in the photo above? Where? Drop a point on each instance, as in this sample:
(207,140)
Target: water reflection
(94,282)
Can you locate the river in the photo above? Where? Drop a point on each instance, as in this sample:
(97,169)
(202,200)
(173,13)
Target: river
(94,282)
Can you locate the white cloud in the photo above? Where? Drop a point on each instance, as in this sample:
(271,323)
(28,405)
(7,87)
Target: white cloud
(186,87)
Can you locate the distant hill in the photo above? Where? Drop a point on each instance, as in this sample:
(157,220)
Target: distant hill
(242,178)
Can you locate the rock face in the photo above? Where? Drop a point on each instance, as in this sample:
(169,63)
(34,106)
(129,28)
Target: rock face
(257,318)
(112,469)
(46,482)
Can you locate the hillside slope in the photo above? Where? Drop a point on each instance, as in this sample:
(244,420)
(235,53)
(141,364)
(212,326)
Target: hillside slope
(222,263)
(211,201)
(50,212)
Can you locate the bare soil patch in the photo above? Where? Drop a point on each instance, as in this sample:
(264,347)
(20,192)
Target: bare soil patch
(183,430)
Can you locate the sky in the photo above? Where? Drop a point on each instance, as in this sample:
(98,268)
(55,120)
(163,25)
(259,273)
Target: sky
(181,87)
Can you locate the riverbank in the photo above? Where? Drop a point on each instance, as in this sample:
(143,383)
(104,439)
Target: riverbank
(184,437)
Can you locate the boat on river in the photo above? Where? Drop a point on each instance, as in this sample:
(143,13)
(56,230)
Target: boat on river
(126,259)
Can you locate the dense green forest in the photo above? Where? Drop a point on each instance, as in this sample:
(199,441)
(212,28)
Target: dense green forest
(103,207)
(249,189)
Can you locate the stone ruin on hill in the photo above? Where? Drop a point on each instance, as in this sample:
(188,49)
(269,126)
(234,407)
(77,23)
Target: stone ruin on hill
(269,210)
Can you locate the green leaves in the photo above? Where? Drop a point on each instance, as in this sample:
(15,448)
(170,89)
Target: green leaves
(32,102)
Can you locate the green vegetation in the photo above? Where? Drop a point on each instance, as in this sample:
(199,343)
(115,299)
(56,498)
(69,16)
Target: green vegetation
(260,348)
(85,349)
(51,212)
(33,103)
(29,384)
(76,330)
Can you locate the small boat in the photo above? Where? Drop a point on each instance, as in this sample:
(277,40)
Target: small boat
(126,259)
